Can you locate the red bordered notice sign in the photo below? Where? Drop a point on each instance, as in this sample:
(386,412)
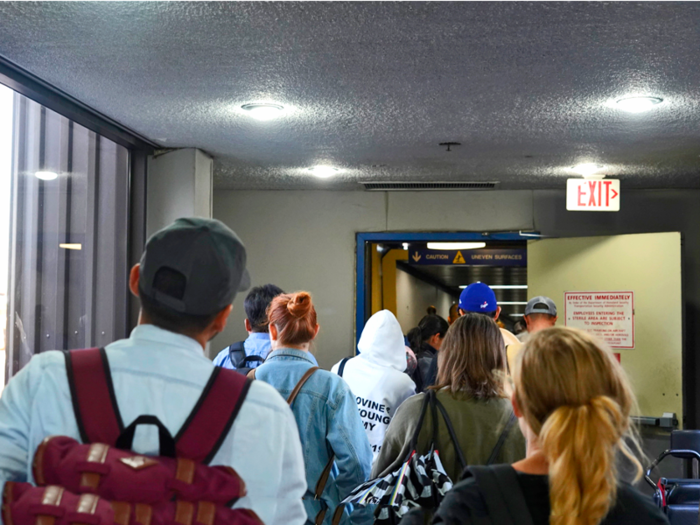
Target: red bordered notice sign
(607,315)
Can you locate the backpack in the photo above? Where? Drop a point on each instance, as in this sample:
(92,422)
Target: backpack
(325,474)
(240,361)
(501,492)
(101,482)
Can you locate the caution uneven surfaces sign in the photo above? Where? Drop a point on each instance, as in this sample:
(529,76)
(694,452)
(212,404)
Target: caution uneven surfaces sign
(487,257)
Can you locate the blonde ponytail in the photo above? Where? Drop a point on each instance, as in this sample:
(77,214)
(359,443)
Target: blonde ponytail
(580,444)
(576,398)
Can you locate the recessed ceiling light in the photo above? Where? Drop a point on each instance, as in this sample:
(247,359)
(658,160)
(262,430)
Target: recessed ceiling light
(46,175)
(589,169)
(263,110)
(324,171)
(638,104)
(456,245)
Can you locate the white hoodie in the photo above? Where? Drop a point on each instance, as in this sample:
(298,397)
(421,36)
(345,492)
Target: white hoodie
(376,376)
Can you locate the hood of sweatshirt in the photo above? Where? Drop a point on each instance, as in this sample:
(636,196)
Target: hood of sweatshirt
(382,341)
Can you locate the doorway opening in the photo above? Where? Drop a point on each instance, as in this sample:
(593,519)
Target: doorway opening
(410,273)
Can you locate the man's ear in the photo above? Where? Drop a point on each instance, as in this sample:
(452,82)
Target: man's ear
(134,276)
(248,327)
(461,312)
(219,322)
(498,312)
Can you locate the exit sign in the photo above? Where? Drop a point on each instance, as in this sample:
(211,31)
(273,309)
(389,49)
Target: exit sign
(593,195)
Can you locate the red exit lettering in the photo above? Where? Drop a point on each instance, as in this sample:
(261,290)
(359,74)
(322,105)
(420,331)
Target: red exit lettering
(595,193)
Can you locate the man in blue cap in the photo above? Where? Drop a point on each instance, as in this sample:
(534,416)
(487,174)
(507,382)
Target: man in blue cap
(479,298)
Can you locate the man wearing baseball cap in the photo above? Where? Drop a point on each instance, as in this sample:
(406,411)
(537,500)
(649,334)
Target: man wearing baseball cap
(479,298)
(188,277)
(540,313)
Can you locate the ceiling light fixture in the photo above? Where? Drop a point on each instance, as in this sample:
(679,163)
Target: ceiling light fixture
(46,175)
(456,245)
(324,171)
(511,303)
(71,246)
(405,246)
(589,170)
(638,104)
(263,110)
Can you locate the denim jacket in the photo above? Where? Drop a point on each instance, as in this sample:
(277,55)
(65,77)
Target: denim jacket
(326,413)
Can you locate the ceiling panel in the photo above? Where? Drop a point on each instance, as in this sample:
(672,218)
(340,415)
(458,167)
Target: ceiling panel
(373,88)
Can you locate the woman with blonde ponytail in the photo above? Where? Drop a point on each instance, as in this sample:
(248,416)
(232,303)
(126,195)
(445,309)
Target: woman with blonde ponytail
(336,451)
(574,403)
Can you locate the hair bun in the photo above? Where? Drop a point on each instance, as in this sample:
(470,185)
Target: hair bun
(299,304)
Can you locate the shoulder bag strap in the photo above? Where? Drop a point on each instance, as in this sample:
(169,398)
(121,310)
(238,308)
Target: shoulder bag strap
(300,384)
(211,419)
(501,439)
(323,479)
(342,366)
(501,491)
(419,424)
(236,353)
(92,392)
(453,435)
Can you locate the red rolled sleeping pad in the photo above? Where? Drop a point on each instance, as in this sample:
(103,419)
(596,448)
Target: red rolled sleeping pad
(95,484)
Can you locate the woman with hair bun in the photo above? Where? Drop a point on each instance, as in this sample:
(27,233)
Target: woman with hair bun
(574,403)
(333,439)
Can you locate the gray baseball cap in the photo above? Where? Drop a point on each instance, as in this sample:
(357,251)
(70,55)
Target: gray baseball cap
(541,305)
(210,257)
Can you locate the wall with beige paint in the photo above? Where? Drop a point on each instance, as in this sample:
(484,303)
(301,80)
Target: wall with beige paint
(306,239)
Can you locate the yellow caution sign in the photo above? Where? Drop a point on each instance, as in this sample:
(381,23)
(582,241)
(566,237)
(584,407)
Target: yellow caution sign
(459,259)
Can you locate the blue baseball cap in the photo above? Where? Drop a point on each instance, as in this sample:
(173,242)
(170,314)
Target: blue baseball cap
(478,297)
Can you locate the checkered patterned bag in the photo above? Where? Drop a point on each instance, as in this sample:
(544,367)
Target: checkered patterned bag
(420,482)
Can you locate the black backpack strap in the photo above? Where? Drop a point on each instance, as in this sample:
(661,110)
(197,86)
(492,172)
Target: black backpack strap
(451,431)
(342,365)
(502,439)
(498,484)
(252,358)
(245,366)
(236,352)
